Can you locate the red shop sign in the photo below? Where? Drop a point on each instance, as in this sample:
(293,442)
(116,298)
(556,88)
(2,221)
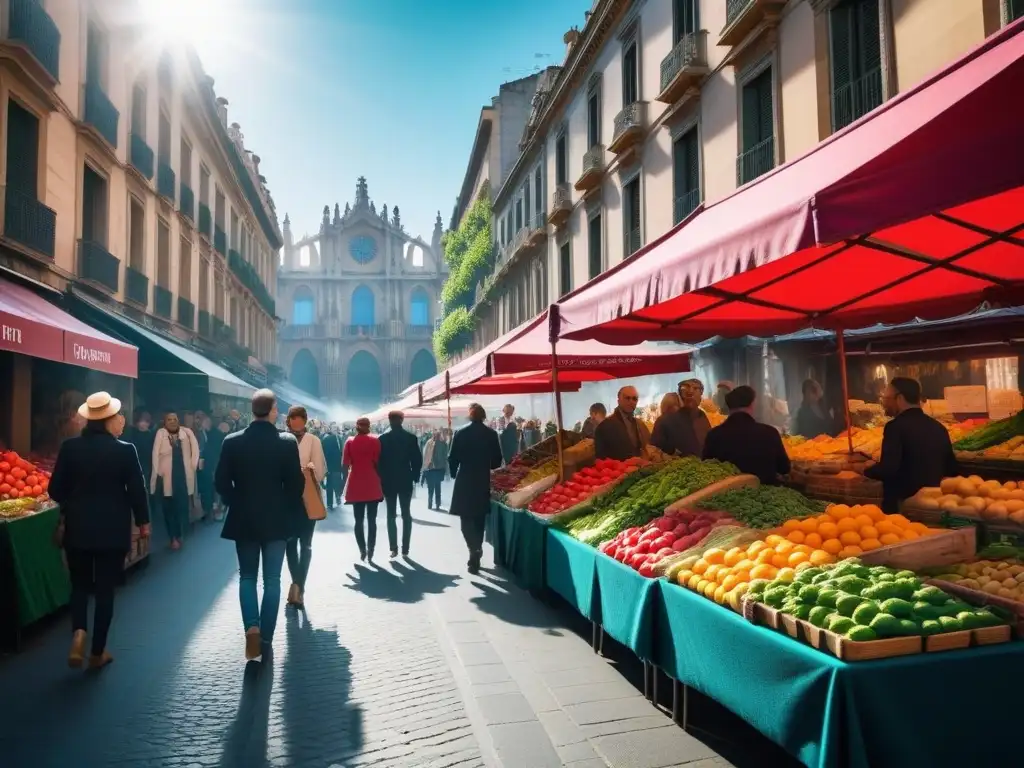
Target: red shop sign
(100,354)
(28,337)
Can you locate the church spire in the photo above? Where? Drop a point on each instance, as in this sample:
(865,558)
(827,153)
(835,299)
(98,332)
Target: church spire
(362,193)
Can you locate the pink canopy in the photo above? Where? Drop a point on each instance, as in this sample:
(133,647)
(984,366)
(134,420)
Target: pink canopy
(917,209)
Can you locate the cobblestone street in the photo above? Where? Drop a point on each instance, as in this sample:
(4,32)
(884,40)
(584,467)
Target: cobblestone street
(404,664)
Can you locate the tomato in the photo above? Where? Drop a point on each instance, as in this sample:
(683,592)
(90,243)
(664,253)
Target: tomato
(5,467)
(31,480)
(19,484)
(37,490)
(5,488)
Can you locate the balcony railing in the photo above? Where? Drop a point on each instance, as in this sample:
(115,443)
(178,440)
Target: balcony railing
(136,287)
(101,113)
(140,155)
(250,278)
(853,101)
(378,330)
(31,25)
(220,241)
(734,9)
(593,168)
(205,220)
(684,66)
(30,223)
(204,323)
(561,204)
(293,332)
(686,204)
(756,161)
(163,300)
(538,226)
(97,265)
(419,331)
(165,181)
(743,16)
(186,313)
(630,124)
(187,201)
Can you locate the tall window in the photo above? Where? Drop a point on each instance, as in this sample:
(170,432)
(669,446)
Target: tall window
(362,306)
(22,150)
(565,268)
(594,117)
(561,160)
(630,74)
(163,254)
(419,308)
(594,255)
(219,215)
(234,231)
(185,171)
(95,54)
(204,185)
(164,138)
(1014,10)
(136,235)
(138,126)
(685,18)
(204,285)
(686,174)
(94,207)
(757,155)
(519,214)
(302,306)
(526,202)
(855,40)
(538,190)
(185,268)
(631,217)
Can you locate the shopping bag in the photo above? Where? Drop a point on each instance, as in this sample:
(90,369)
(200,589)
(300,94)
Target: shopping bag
(311,498)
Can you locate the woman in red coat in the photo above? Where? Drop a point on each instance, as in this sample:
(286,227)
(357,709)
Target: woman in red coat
(363,490)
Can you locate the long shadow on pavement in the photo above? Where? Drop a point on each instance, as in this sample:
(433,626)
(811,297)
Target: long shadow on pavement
(246,742)
(409,582)
(512,609)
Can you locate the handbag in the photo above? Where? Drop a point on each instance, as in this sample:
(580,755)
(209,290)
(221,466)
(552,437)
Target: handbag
(311,498)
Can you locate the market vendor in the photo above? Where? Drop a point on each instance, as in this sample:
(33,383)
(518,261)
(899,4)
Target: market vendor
(916,449)
(755,449)
(622,436)
(683,433)
(509,435)
(813,418)
(598,413)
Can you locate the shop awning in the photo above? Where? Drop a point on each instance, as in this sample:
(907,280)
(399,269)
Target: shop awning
(915,210)
(30,325)
(220,380)
(527,383)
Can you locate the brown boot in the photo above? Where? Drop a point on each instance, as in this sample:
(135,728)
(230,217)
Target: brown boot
(100,661)
(295,595)
(76,656)
(253,641)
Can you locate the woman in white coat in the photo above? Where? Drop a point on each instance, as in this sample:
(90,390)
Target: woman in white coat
(299,551)
(175,460)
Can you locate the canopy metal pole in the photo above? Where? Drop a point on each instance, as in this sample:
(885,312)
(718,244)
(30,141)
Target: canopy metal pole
(558,410)
(448,399)
(846,388)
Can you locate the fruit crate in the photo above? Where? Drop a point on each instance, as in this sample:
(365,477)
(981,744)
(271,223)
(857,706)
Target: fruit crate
(946,548)
(978,597)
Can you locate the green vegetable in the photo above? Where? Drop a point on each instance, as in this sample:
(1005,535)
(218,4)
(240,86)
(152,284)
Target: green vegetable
(840,624)
(809,593)
(828,598)
(932,595)
(865,612)
(819,615)
(993,433)
(847,604)
(765,506)
(886,625)
(897,607)
(909,628)
(951,624)
(930,627)
(861,634)
(852,585)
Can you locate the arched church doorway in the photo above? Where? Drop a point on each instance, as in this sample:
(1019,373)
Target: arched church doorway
(305,372)
(422,367)
(363,380)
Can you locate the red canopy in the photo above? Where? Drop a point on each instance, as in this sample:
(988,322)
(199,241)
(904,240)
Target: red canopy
(916,210)
(525,383)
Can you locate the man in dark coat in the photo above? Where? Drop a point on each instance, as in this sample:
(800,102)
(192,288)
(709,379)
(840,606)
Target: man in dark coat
(509,437)
(333,444)
(260,479)
(399,470)
(916,449)
(755,449)
(474,453)
(598,413)
(622,436)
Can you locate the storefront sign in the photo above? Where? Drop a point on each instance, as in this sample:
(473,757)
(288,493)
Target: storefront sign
(27,337)
(1003,403)
(100,355)
(969,399)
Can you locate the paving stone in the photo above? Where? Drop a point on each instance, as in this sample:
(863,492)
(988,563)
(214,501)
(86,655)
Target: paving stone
(505,708)
(597,673)
(573,753)
(560,729)
(524,744)
(607,691)
(472,654)
(610,727)
(654,748)
(608,711)
(487,673)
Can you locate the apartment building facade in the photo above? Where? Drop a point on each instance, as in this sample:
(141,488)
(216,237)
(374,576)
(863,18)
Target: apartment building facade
(123,178)
(661,105)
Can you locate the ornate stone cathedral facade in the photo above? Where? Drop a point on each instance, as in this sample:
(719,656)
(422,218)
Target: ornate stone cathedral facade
(359,301)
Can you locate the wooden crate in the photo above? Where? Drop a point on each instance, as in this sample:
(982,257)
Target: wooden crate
(950,641)
(978,597)
(946,548)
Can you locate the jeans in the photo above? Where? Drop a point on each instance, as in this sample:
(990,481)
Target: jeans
(175,515)
(434,478)
(299,552)
(335,487)
(367,509)
(99,572)
(255,614)
(394,500)
(473,533)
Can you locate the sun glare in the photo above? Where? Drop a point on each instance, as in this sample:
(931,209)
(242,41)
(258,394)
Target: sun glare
(185,21)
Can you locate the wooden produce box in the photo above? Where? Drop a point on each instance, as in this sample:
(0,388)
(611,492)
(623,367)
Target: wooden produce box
(978,597)
(946,548)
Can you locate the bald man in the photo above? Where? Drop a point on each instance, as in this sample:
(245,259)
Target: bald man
(622,436)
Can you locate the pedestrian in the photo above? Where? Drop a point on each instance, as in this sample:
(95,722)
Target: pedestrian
(99,485)
(214,446)
(474,453)
(259,477)
(204,474)
(300,549)
(175,460)
(332,448)
(363,489)
(141,435)
(400,465)
(435,465)
(509,437)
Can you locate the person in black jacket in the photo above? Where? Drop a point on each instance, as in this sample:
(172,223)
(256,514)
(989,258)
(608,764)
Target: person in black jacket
(334,444)
(98,483)
(474,453)
(755,449)
(622,436)
(141,434)
(916,449)
(260,479)
(399,469)
(813,418)
(509,437)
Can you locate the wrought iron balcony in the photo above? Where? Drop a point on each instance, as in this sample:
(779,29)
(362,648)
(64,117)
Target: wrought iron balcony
(684,67)
(630,125)
(205,324)
(419,331)
(853,101)
(28,222)
(186,313)
(561,205)
(141,155)
(220,241)
(165,180)
(593,169)
(756,161)
(377,331)
(538,228)
(101,113)
(293,332)
(136,287)
(205,220)
(187,201)
(686,204)
(30,25)
(98,266)
(743,16)
(163,300)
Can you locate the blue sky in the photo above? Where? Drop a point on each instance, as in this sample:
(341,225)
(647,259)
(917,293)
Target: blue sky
(389,89)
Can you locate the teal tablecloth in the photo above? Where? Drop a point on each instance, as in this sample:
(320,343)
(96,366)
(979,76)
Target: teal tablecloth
(945,709)
(519,542)
(571,571)
(627,605)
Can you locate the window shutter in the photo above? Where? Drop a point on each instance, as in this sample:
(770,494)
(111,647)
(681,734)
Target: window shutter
(22,149)
(869,42)
(593,120)
(765,118)
(692,161)
(594,246)
(539,191)
(526,199)
(1014,9)
(751,104)
(840,21)
(679,163)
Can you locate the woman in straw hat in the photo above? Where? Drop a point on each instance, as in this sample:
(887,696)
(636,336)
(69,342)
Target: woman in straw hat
(99,485)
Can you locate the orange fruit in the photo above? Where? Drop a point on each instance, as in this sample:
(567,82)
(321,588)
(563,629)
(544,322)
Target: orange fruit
(791,525)
(755,546)
(810,525)
(851,551)
(785,574)
(763,571)
(796,536)
(919,528)
(847,524)
(869,532)
(868,544)
(909,534)
(889,538)
(832,546)
(784,547)
(824,518)
(821,557)
(734,555)
(898,520)
(795,558)
(874,512)
(773,539)
(729,582)
(723,573)
(884,526)
(765,555)
(803,548)
(813,540)
(742,575)
(839,511)
(780,560)
(715,556)
(828,530)
(849,538)
(743,565)
(711,573)
(863,520)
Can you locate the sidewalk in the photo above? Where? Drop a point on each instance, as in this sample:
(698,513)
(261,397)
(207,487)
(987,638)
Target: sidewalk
(409,664)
